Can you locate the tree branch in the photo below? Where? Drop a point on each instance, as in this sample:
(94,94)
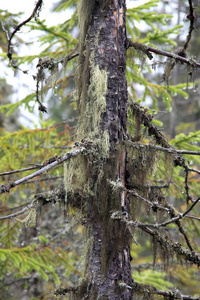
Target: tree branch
(37,8)
(6,188)
(147,49)
(21,170)
(43,198)
(139,287)
(191,17)
(180,216)
(20,212)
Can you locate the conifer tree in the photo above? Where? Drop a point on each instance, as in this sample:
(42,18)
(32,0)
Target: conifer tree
(122,175)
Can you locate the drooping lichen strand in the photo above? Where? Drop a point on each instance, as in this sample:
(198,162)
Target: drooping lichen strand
(75,175)
(85,9)
(95,106)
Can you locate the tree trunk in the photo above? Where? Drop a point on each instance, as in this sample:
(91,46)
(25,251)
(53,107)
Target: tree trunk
(102,103)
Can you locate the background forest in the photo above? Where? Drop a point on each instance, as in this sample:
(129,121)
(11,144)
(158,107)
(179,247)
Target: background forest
(42,239)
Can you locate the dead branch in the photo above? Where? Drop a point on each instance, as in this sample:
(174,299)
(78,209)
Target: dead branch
(175,219)
(146,49)
(165,242)
(21,170)
(75,152)
(36,9)
(187,188)
(43,198)
(139,287)
(191,17)
(20,212)
(188,152)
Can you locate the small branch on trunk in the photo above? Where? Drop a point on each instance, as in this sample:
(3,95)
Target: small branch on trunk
(193,170)
(6,188)
(20,212)
(154,205)
(188,152)
(169,245)
(164,242)
(146,49)
(139,287)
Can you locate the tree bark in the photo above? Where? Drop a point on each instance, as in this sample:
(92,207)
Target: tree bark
(103,44)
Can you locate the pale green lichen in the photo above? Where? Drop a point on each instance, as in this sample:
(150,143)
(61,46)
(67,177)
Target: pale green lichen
(95,99)
(76,178)
(91,93)
(75,175)
(84,10)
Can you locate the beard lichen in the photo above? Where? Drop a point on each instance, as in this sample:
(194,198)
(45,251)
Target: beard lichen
(148,171)
(95,106)
(79,171)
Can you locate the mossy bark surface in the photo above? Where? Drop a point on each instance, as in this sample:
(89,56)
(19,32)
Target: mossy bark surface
(102,104)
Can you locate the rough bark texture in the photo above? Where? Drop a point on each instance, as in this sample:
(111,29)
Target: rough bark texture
(107,272)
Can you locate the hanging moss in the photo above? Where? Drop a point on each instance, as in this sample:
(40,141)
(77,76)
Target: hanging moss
(85,9)
(94,107)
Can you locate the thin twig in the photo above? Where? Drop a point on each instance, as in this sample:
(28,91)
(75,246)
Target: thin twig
(17,213)
(191,17)
(43,179)
(192,217)
(44,198)
(37,7)
(21,170)
(193,170)
(180,216)
(187,188)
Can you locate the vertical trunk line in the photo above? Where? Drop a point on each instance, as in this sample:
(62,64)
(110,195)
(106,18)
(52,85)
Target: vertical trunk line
(107,268)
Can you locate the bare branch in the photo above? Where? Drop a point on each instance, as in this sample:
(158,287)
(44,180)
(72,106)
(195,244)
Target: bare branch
(44,179)
(153,290)
(190,256)
(193,170)
(37,8)
(192,217)
(20,212)
(188,152)
(191,17)
(6,188)
(44,198)
(180,216)
(187,188)
(20,170)
(146,49)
